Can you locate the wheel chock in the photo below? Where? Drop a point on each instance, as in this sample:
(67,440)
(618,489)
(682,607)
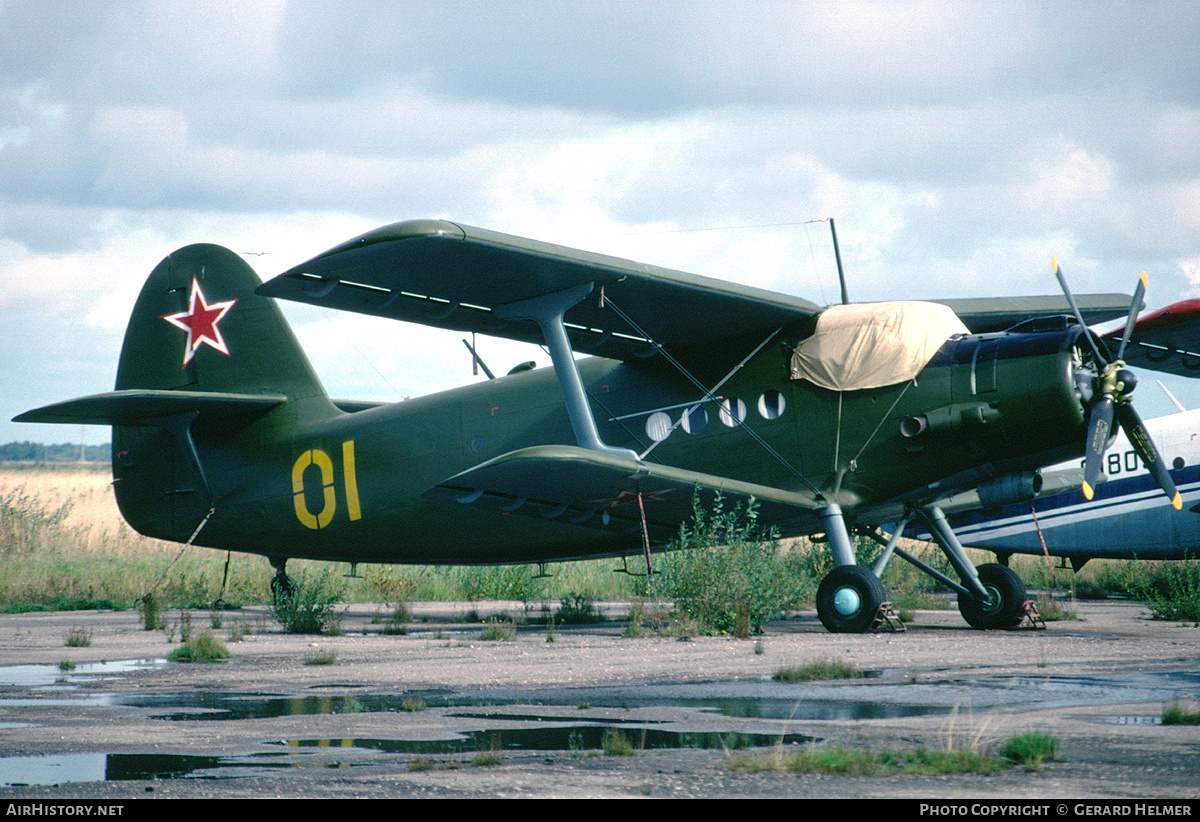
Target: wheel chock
(1031,618)
(887,619)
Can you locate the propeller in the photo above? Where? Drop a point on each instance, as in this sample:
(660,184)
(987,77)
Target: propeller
(1111,390)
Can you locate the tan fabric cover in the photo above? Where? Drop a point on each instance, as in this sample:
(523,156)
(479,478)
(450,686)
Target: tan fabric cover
(871,345)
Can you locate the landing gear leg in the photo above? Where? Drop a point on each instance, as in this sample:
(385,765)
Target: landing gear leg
(281,584)
(992,595)
(849,596)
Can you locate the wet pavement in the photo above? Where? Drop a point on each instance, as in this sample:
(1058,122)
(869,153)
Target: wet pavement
(441,712)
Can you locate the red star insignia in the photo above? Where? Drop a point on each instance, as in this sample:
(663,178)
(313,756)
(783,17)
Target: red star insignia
(200,323)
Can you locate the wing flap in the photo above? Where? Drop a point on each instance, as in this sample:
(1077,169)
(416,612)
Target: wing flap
(452,276)
(592,489)
(136,407)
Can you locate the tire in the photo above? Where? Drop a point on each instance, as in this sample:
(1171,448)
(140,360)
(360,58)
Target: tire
(1004,609)
(848,599)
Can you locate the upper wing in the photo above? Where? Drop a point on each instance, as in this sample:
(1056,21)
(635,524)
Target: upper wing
(1166,340)
(451,276)
(448,275)
(984,314)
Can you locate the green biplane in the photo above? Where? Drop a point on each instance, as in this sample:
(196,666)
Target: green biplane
(834,420)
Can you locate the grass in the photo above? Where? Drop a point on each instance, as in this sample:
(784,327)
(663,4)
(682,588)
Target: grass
(312,607)
(1172,591)
(728,574)
(323,656)
(843,761)
(64,546)
(202,647)
(1052,610)
(1177,714)
(485,759)
(1030,750)
(577,609)
(615,743)
(498,632)
(818,670)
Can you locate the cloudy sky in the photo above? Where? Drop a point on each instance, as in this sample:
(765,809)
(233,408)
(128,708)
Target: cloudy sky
(957,144)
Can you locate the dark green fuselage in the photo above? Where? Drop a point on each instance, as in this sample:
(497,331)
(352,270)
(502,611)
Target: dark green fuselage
(361,475)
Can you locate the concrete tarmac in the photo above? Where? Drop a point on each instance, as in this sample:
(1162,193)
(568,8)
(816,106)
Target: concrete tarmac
(440,712)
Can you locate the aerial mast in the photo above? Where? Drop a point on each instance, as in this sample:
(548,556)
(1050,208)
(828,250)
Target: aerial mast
(837,255)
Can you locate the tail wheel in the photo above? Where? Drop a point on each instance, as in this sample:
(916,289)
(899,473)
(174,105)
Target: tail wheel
(1006,597)
(848,599)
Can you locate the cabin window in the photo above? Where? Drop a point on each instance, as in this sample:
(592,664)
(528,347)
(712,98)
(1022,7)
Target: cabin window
(658,426)
(694,419)
(733,411)
(771,405)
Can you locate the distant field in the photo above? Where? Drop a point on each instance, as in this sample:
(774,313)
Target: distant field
(86,488)
(63,544)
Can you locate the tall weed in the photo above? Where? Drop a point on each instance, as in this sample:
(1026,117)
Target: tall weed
(729,574)
(311,606)
(1171,589)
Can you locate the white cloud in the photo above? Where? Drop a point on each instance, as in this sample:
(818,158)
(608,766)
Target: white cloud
(957,145)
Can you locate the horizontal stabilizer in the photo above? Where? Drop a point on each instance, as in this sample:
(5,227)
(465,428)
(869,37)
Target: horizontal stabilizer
(593,489)
(143,407)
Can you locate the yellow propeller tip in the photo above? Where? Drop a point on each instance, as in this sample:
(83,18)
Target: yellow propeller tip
(1088,493)
(1053,264)
(1177,501)
(1143,279)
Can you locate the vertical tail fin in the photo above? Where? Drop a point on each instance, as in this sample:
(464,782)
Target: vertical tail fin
(199,326)
(210,378)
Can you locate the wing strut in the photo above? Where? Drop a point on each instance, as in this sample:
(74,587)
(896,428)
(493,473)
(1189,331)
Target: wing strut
(547,311)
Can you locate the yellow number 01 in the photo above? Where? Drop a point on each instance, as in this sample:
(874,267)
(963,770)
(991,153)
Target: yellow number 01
(324,464)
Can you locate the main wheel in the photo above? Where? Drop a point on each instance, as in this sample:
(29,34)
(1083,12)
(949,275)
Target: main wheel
(848,599)
(1006,596)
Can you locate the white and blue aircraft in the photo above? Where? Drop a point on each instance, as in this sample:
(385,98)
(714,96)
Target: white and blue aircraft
(1126,517)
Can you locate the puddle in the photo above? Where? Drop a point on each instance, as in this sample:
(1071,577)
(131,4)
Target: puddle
(548,719)
(211,706)
(590,737)
(1060,689)
(62,769)
(46,676)
(1130,720)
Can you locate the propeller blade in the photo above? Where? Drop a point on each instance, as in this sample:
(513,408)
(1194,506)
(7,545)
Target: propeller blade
(1134,308)
(1099,426)
(1139,437)
(1062,281)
